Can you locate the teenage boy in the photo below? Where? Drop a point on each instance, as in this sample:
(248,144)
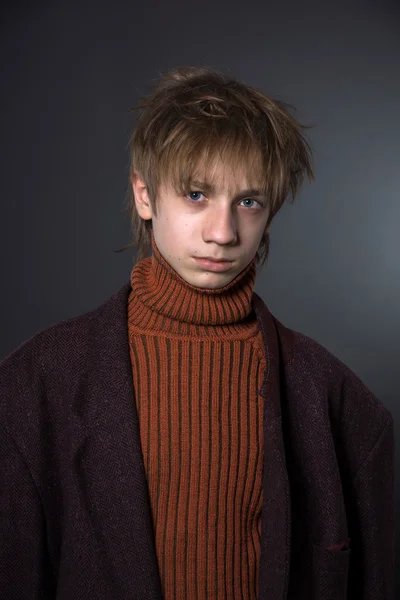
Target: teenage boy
(179,442)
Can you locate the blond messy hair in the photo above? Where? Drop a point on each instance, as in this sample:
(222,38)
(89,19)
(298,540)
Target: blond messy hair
(196,116)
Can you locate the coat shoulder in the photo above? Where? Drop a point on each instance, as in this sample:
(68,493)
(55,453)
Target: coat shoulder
(320,376)
(67,334)
(357,416)
(304,354)
(57,352)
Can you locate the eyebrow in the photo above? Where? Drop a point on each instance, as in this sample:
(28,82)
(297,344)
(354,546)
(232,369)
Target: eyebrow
(210,188)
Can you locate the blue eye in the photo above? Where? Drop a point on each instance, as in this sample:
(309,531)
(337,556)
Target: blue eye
(195,196)
(249,202)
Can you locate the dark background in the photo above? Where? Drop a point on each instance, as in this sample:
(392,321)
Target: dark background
(70,72)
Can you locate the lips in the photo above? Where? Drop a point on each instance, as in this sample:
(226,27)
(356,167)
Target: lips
(213,264)
(216,260)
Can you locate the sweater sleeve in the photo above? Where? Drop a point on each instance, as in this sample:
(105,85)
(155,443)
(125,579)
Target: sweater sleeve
(373,529)
(25,572)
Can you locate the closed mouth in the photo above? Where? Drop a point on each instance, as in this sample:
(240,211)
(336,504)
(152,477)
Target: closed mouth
(216,260)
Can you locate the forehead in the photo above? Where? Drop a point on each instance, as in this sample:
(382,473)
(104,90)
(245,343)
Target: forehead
(229,178)
(219,177)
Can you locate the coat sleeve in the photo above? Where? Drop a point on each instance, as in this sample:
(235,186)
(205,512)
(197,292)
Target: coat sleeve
(25,572)
(372,526)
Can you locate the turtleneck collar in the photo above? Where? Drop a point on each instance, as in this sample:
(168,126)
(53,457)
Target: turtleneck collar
(159,289)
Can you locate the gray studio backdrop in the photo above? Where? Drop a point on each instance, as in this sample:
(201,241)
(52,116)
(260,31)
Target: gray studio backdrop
(72,70)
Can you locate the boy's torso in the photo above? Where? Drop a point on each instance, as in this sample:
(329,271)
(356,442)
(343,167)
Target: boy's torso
(71,413)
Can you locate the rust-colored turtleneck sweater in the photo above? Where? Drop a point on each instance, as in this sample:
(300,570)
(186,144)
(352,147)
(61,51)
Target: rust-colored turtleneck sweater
(198,364)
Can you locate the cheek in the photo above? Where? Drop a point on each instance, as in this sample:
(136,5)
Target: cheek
(168,233)
(253,230)
(174,227)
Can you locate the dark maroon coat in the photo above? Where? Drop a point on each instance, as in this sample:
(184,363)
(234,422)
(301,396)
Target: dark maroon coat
(75,519)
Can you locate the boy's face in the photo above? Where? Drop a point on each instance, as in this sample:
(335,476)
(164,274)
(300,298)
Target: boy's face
(212,233)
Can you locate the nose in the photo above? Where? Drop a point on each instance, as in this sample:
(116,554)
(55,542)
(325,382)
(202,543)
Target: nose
(220,226)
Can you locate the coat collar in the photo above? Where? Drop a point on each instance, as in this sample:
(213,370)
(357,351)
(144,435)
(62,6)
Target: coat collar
(108,456)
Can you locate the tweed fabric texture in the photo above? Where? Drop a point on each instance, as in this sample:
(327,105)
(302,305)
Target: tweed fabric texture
(75,517)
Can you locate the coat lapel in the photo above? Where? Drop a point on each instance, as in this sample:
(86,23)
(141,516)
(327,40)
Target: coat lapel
(310,522)
(108,459)
(276,515)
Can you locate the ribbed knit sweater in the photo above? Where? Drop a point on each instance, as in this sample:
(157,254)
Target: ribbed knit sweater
(198,364)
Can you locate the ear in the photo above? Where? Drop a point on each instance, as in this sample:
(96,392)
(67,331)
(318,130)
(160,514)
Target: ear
(142,200)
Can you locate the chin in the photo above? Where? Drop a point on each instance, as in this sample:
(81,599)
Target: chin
(211,281)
